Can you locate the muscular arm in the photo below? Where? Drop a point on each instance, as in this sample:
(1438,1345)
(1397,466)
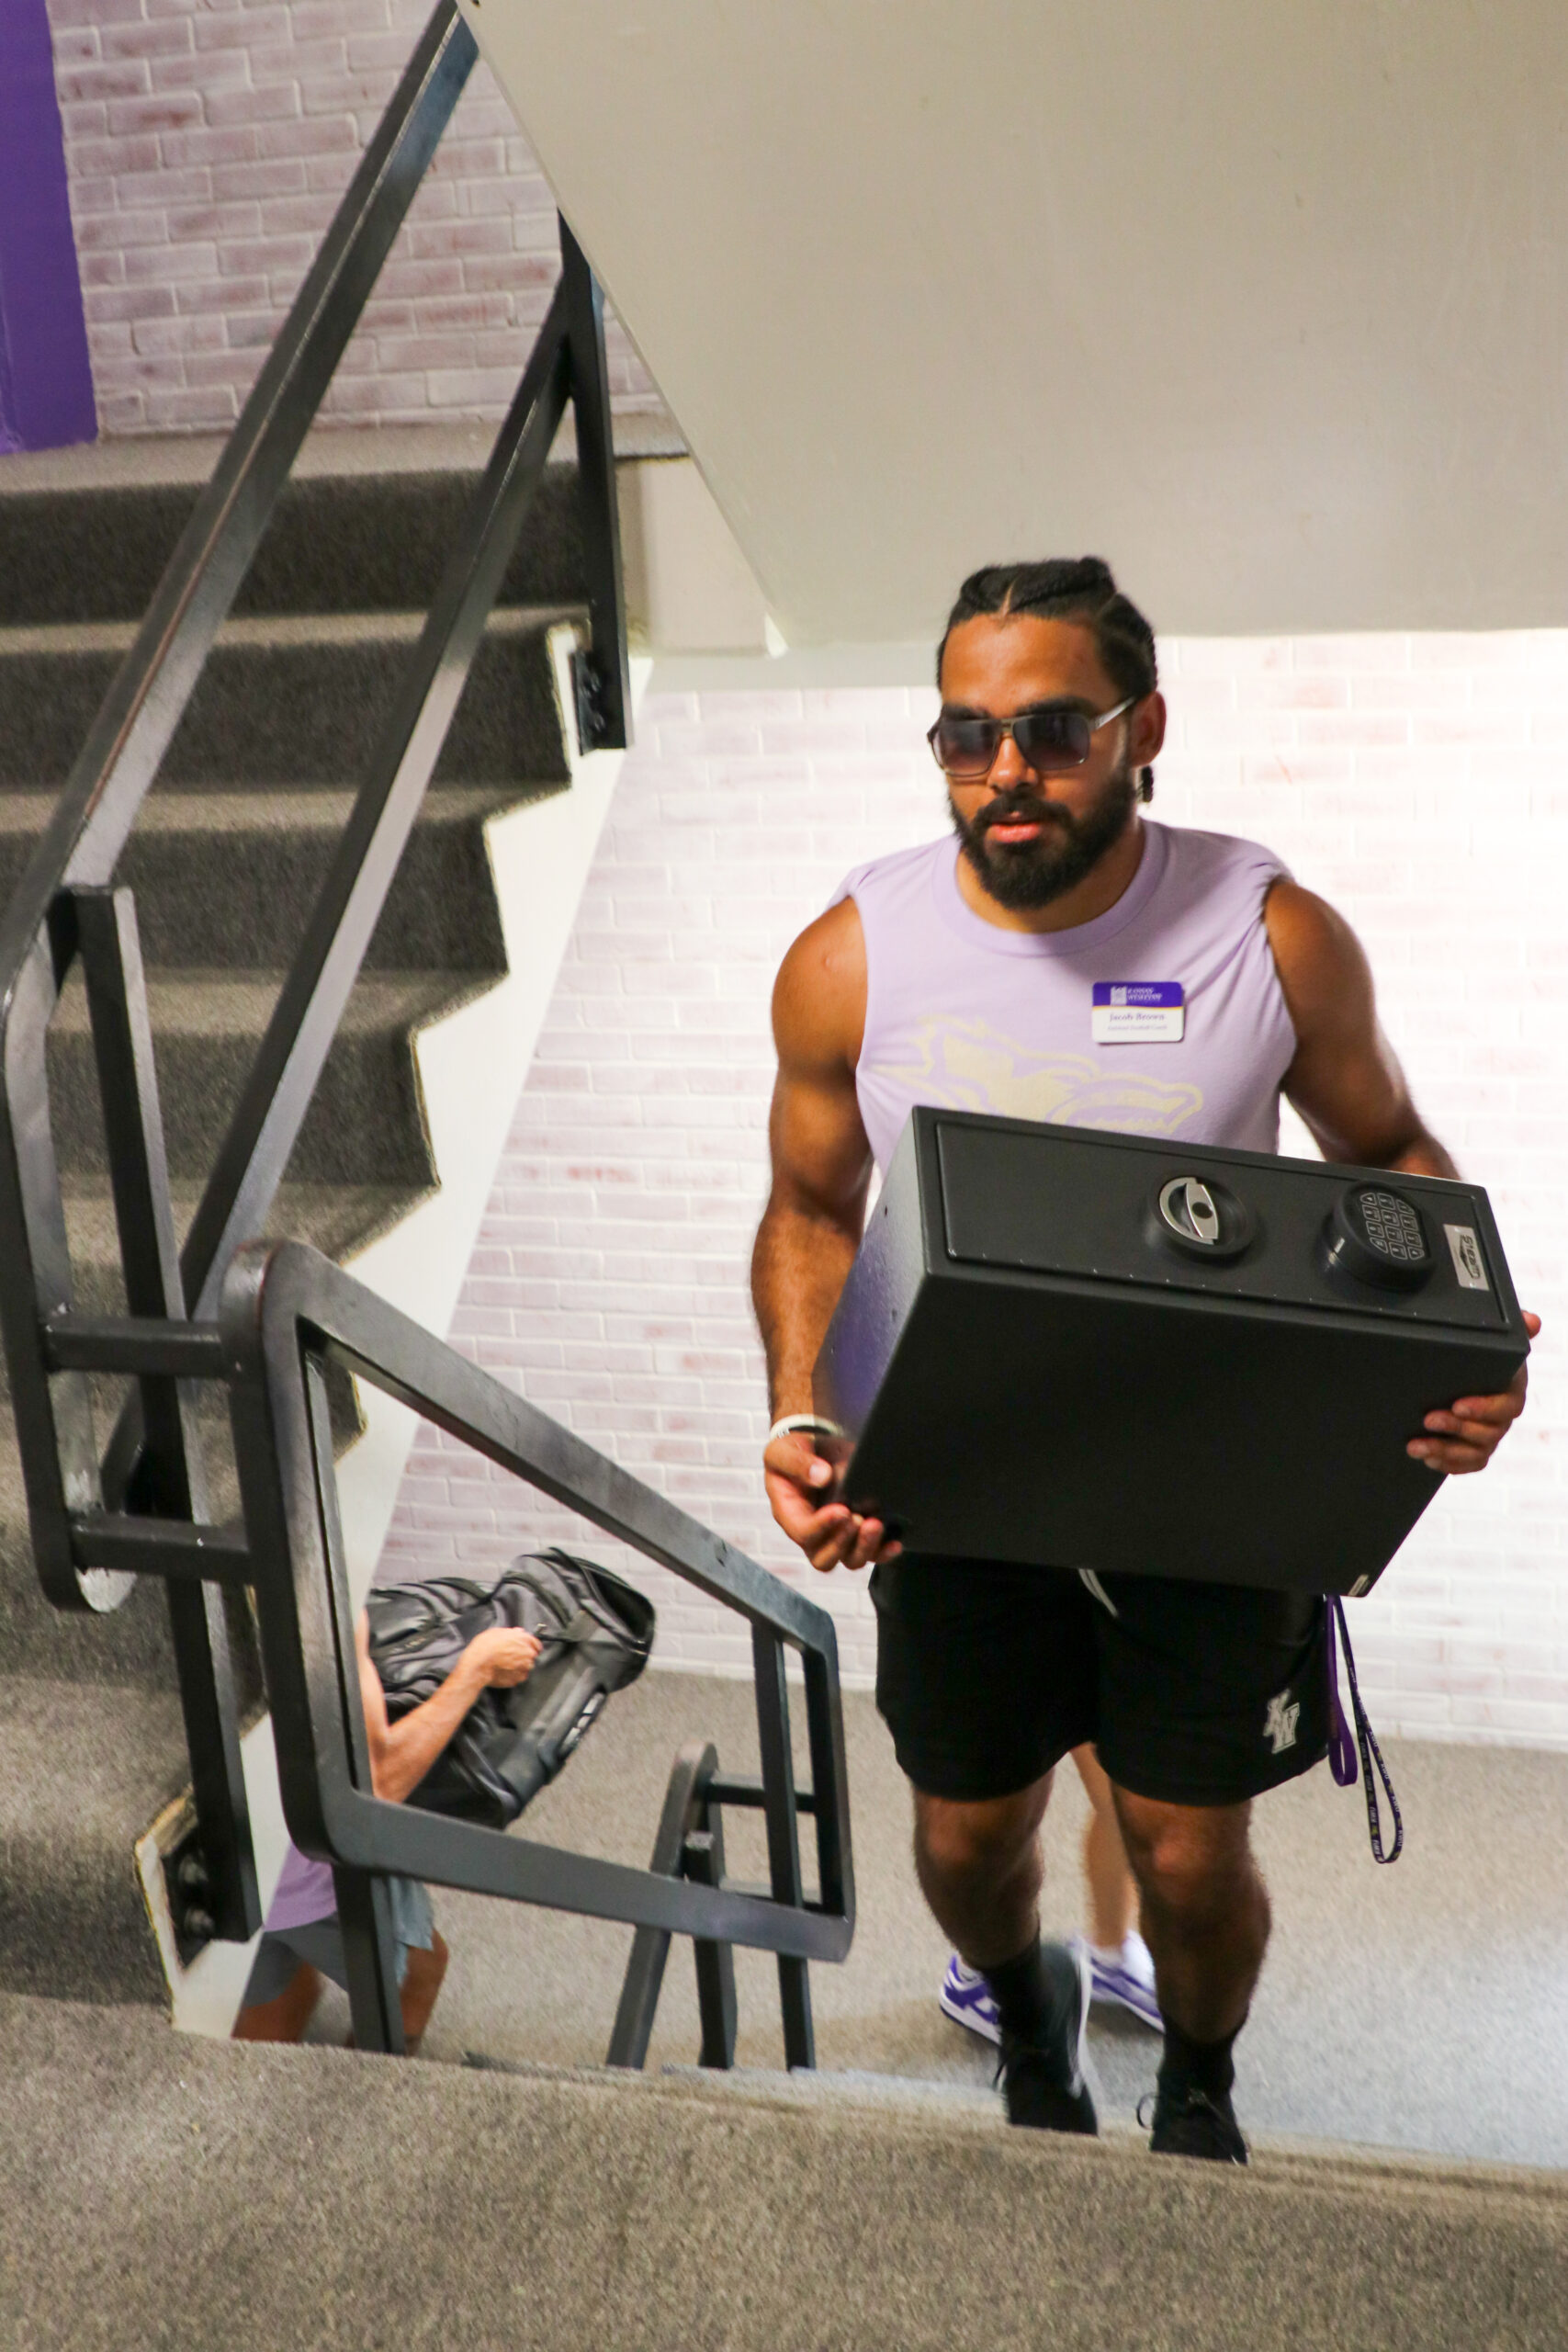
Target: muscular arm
(1345,1080)
(1349,1089)
(402,1753)
(821,1160)
(811,1227)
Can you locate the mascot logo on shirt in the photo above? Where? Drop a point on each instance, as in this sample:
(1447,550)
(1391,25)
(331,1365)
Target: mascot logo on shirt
(969,1066)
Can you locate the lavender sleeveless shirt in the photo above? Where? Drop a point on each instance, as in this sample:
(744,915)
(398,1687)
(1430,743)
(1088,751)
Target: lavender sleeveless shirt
(962,1015)
(305,1893)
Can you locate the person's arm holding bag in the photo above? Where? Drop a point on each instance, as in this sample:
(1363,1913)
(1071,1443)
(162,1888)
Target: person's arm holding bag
(401,1753)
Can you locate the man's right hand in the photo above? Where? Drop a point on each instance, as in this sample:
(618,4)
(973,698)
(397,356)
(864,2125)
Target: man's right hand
(502,1657)
(799,1484)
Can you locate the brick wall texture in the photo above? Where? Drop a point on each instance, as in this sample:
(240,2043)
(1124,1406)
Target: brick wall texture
(1415,782)
(208,145)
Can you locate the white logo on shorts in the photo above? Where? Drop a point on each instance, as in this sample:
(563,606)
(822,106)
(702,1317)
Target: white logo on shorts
(1280,1723)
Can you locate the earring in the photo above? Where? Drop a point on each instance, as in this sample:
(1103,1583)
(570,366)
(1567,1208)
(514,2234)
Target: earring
(1145,785)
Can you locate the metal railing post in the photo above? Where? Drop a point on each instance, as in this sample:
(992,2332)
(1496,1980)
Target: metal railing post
(370,1950)
(364,1898)
(53,1411)
(781,1816)
(604,678)
(172,1483)
(644,1979)
(703,1862)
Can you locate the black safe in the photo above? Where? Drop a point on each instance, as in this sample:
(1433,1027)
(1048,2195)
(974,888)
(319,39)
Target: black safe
(1078,1349)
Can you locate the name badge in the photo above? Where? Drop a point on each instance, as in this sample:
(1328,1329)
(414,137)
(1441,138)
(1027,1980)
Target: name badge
(1138,1012)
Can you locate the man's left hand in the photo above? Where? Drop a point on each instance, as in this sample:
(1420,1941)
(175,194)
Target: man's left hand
(1467,1436)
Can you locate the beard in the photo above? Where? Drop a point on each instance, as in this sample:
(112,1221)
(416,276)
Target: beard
(1025,875)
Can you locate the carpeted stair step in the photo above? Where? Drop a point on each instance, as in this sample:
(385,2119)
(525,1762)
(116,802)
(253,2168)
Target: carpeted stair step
(337,543)
(338,1218)
(437,2205)
(187,848)
(288,700)
(128,1647)
(86,1768)
(366,1123)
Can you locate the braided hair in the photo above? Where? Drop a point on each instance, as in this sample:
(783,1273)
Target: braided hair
(1067,588)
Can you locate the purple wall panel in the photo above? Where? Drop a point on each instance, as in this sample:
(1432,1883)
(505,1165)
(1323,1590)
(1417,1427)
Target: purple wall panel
(46,384)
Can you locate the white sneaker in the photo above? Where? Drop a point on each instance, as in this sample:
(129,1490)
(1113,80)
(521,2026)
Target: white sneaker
(968,1999)
(1126,1977)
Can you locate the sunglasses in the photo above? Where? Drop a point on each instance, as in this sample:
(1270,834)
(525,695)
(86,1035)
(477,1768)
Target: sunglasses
(1048,741)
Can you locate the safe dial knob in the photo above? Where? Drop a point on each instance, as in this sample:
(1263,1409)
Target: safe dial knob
(1201,1217)
(1378,1236)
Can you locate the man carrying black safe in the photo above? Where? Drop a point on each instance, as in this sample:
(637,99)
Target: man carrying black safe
(964,975)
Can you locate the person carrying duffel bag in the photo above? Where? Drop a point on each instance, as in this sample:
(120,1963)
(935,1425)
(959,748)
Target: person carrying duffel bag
(594,1631)
(475,1689)
(301,1939)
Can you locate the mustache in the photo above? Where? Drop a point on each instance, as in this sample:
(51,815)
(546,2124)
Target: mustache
(1021,808)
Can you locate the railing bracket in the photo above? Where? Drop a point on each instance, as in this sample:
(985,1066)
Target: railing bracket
(588,690)
(188,1884)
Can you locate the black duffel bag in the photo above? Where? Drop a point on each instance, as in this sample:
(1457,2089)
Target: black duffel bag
(596,1632)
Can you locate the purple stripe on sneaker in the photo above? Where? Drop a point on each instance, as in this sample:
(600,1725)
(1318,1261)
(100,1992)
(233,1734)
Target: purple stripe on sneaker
(1112,1984)
(1121,1983)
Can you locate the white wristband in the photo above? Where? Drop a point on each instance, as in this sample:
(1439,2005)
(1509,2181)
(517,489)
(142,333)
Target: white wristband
(806,1422)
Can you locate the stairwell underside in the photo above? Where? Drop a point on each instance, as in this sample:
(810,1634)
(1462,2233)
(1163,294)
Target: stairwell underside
(1265,305)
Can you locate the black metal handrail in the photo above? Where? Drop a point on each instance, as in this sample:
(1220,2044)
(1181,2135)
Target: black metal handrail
(62,910)
(285,1310)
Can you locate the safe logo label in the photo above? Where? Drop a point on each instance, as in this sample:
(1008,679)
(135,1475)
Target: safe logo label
(1465,1251)
(1280,1723)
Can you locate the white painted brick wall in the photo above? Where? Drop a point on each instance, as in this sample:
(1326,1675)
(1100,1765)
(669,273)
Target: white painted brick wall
(207,143)
(1419,783)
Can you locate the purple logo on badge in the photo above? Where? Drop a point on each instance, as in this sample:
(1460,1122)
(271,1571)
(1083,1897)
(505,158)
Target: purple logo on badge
(1161,993)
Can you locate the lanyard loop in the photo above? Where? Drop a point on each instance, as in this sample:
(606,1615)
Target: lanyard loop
(1342,1750)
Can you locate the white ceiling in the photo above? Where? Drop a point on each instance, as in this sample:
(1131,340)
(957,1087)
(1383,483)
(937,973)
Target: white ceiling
(1266,301)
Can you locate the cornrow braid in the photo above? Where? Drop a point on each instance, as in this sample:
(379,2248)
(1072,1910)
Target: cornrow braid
(1067,588)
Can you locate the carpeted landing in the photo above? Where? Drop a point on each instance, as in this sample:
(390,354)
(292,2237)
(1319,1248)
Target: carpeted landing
(159,2190)
(1421,2007)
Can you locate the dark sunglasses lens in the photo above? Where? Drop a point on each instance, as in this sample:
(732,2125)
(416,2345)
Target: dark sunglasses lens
(964,746)
(1049,741)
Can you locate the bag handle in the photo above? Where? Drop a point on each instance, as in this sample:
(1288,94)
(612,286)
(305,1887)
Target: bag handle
(630,1615)
(581,1628)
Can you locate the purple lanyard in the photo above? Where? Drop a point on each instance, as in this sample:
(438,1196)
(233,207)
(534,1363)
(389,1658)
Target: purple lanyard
(1342,1748)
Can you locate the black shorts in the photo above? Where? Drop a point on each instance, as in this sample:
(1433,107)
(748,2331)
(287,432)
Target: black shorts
(1193,1694)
